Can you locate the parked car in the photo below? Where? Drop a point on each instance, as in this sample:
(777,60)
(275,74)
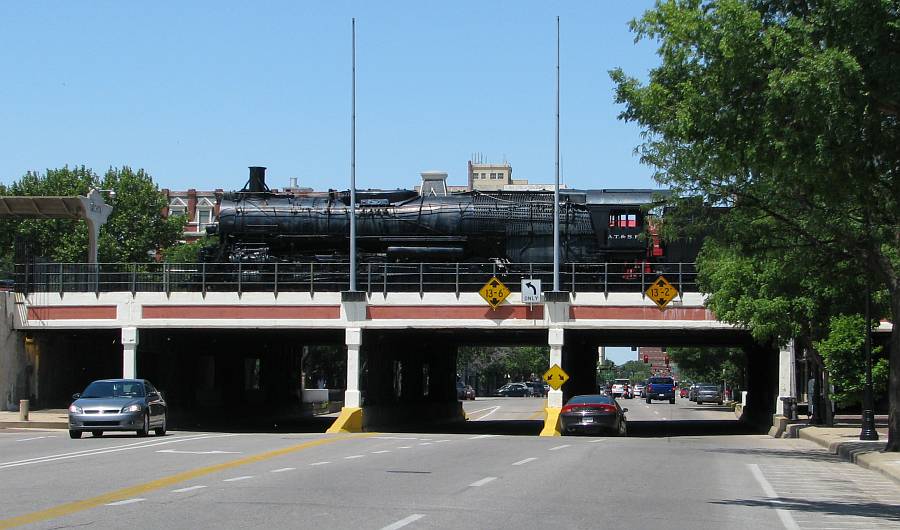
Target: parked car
(593,413)
(537,389)
(118,405)
(639,389)
(618,387)
(660,388)
(692,392)
(709,394)
(470,392)
(514,390)
(460,390)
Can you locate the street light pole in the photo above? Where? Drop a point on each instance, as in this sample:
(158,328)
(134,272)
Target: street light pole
(868,431)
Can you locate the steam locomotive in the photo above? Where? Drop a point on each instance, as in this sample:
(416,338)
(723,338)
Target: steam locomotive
(257,225)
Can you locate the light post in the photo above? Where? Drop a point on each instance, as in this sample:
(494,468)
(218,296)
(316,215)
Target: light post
(868,431)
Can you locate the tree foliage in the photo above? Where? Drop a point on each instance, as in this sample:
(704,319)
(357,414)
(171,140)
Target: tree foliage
(844,356)
(135,227)
(711,365)
(786,114)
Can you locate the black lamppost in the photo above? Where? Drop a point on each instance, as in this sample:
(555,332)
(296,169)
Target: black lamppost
(868,431)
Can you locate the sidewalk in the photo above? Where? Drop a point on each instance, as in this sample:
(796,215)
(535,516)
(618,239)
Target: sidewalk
(37,419)
(844,441)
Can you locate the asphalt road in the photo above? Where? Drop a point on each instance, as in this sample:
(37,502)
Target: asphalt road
(670,474)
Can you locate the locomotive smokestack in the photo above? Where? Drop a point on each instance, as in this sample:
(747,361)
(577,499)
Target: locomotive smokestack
(257,181)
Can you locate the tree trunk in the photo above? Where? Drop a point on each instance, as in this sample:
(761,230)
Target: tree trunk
(893,443)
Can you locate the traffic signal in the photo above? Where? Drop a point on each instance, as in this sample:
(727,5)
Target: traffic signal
(646,358)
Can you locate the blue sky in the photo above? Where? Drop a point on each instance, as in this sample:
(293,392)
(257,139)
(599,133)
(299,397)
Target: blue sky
(194,92)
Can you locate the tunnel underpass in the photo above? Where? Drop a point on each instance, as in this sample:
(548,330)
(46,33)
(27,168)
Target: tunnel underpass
(290,380)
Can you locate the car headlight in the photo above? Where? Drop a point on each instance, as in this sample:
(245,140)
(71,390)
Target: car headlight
(132,408)
(75,409)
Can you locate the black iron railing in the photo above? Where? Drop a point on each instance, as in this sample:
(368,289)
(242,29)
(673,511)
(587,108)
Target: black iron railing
(334,277)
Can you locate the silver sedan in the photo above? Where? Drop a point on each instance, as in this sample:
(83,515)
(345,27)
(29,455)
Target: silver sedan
(118,405)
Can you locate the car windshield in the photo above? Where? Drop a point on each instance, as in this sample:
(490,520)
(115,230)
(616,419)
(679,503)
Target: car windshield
(709,387)
(623,381)
(114,389)
(662,381)
(590,398)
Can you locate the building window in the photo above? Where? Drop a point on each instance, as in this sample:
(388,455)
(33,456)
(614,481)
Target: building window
(205,212)
(493,176)
(176,210)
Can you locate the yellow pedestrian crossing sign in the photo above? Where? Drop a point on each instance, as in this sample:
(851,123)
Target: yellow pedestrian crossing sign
(494,292)
(556,377)
(661,292)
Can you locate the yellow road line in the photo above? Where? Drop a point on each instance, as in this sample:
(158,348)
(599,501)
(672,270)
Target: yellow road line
(131,491)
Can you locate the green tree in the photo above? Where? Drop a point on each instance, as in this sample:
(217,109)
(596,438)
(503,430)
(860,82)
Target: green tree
(189,252)
(843,354)
(786,114)
(135,227)
(710,365)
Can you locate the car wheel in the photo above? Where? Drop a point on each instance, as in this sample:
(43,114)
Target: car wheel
(161,430)
(146,428)
(672,401)
(96,434)
(623,429)
(74,434)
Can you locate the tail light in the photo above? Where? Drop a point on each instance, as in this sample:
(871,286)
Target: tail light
(585,407)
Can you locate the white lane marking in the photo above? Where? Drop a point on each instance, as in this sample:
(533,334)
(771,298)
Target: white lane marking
(380,452)
(235,479)
(786,519)
(488,414)
(656,412)
(405,447)
(35,438)
(282,469)
(353,456)
(126,501)
(595,441)
(480,410)
(199,452)
(441,441)
(482,482)
(558,447)
(319,463)
(92,452)
(520,462)
(480,436)
(426,443)
(190,488)
(403,522)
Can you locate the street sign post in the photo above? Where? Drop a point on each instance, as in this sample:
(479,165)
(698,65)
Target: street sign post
(661,292)
(494,292)
(531,291)
(556,377)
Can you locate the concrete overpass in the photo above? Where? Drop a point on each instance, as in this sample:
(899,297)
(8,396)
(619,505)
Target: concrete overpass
(400,346)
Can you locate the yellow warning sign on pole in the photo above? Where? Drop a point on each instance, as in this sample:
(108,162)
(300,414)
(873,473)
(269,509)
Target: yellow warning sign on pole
(494,292)
(661,292)
(556,377)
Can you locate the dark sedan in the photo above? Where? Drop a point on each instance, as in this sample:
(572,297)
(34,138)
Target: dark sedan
(514,390)
(589,413)
(118,405)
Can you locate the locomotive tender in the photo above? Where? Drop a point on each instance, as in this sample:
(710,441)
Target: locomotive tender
(596,226)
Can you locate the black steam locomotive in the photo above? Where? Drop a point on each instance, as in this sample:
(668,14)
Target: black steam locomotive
(257,225)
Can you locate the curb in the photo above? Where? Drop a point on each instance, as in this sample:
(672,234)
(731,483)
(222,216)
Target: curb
(34,425)
(868,455)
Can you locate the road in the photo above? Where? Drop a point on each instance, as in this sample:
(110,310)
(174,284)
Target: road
(685,467)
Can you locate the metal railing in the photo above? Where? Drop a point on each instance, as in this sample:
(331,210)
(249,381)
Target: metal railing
(334,277)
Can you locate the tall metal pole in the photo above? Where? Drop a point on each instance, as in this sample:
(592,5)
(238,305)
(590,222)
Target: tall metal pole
(868,431)
(556,187)
(353,170)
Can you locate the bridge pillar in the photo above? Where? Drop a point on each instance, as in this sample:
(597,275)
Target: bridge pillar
(351,416)
(787,379)
(129,352)
(555,339)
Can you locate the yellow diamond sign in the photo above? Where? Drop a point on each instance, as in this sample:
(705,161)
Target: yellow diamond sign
(661,292)
(494,292)
(556,377)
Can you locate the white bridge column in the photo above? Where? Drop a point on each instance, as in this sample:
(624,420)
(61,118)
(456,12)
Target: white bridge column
(555,340)
(787,379)
(129,352)
(353,339)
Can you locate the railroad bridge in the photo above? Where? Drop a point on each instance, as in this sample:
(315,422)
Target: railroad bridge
(235,335)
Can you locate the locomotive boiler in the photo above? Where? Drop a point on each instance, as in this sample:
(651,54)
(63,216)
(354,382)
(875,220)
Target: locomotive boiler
(259,225)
